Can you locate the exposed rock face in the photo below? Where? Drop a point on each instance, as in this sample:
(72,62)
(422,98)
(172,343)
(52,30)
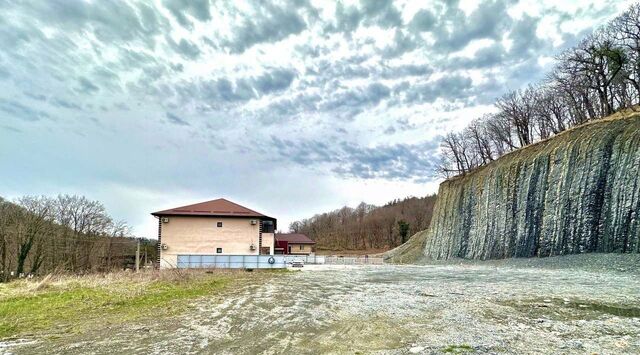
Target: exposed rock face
(577,192)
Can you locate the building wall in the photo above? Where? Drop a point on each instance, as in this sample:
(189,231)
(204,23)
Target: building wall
(200,235)
(295,248)
(268,240)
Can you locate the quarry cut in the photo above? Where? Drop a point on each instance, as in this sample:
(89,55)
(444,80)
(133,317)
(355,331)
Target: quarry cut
(577,192)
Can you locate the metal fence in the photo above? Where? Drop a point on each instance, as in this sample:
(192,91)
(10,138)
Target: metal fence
(353,260)
(232,261)
(267,261)
(307,259)
(335,260)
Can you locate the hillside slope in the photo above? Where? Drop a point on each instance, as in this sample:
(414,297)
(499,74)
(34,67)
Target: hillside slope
(367,227)
(574,193)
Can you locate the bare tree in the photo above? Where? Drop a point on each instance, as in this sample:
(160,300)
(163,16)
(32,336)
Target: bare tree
(41,234)
(368,226)
(36,215)
(591,80)
(518,107)
(480,140)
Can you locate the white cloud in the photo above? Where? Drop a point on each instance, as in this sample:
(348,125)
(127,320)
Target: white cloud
(145,105)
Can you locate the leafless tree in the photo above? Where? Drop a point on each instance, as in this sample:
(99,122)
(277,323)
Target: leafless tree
(591,80)
(518,107)
(367,226)
(65,233)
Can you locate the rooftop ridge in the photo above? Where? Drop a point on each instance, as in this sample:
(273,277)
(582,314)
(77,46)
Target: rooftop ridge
(215,207)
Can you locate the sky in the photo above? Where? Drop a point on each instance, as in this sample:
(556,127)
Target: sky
(289,108)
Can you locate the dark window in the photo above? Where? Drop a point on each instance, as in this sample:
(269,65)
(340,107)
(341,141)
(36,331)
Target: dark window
(267,227)
(219,250)
(301,247)
(219,224)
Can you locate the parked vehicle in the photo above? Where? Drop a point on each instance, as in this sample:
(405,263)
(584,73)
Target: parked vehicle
(297,263)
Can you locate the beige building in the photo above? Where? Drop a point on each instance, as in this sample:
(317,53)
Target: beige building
(217,227)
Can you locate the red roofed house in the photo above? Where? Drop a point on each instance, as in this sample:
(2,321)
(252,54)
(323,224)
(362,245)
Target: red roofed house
(215,227)
(293,243)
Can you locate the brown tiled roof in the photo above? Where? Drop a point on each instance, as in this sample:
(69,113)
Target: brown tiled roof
(296,238)
(219,207)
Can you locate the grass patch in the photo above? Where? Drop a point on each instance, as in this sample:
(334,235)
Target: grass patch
(561,309)
(70,304)
(458,349)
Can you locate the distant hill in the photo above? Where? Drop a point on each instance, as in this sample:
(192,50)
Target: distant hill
(63,234)
(368,226)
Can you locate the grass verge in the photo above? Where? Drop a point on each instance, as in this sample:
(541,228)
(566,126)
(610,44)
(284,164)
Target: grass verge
(458,349)
(72,304)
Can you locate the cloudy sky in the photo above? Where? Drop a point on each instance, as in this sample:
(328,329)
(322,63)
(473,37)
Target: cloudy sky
(291,108)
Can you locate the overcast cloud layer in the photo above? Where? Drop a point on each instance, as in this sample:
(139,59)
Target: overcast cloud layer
(291,108)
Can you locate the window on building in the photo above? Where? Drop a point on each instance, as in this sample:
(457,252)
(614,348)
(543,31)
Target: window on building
(301,247)
(219,250)
(267,227)
(219,224)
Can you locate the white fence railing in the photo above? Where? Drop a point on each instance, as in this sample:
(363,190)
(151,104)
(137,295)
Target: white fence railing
(307,259)
(335,260)
(353,260)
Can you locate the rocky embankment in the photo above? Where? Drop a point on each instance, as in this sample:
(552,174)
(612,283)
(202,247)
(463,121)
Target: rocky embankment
(577,192)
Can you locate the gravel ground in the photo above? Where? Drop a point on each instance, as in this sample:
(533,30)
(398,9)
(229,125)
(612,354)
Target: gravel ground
(509,307)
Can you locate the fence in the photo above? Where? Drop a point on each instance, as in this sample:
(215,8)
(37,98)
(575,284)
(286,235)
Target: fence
(263,261)
(335,260)
(353,260)
(232,261)
(307,259)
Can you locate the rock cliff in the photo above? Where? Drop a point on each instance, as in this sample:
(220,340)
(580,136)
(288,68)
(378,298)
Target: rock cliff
(577,192)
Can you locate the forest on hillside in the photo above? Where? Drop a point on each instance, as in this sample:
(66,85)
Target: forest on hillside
(40,234)
(599,76)
(368,226)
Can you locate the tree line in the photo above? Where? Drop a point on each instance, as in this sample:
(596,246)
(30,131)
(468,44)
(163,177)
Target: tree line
(368,226)
(40,234)
(594,79)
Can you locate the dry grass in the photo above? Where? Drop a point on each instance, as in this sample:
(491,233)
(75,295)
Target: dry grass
(136,282)
(68,303)
(409,252)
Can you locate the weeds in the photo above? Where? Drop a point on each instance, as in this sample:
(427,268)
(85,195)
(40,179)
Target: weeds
(76,303)
(458,349)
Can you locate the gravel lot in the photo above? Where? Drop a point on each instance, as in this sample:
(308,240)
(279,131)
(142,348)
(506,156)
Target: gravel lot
(471,307)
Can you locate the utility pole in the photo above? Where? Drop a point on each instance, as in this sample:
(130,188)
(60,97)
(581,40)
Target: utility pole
(138,256)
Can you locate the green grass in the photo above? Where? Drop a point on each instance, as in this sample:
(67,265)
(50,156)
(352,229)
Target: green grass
(76,304)
(457,349)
